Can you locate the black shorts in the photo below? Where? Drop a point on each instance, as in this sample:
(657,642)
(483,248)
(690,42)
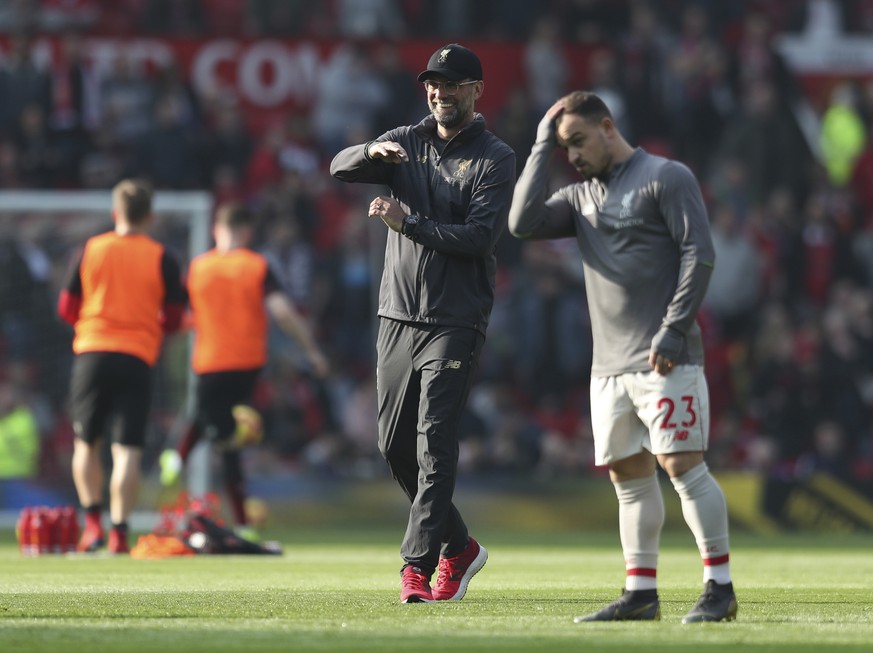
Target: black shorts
(110,389)
(217,394)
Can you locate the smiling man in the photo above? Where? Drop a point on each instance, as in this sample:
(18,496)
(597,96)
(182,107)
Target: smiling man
(450,183)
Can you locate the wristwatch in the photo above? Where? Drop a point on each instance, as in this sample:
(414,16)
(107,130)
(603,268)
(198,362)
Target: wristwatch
(410,224)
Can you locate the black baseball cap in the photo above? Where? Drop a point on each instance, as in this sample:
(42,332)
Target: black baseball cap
(454,62)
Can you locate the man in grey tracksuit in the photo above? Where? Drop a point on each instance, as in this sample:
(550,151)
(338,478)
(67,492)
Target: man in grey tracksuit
(451,184)
(643,233)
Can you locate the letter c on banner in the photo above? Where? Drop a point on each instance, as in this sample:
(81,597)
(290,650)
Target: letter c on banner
(253,85)
(204,68)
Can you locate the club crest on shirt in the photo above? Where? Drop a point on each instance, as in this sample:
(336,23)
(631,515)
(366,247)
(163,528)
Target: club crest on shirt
(626,216)
(627,205)
(459,176)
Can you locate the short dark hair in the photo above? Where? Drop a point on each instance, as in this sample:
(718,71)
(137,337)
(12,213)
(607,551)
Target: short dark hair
(233,216)
(587,105)
(132,198)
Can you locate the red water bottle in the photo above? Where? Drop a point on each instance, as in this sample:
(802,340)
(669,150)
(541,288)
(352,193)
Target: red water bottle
(45,531)
(23,532)
(54,521)
(35,531)
(69,529)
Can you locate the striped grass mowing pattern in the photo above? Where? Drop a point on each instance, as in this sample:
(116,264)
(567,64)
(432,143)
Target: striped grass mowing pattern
(339,591)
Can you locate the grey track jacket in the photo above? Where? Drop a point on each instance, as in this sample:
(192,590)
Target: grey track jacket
(647,252)
(444,272)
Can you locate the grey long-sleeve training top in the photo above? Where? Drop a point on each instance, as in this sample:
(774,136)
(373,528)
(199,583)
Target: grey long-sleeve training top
(645,242)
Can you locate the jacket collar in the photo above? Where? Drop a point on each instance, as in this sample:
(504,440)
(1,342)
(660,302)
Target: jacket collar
(427,128)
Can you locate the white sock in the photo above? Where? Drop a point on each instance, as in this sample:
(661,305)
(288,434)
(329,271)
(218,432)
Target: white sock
(705,512)
(640,518)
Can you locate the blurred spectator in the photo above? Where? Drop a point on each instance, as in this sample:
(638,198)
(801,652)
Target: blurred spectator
(549,316)
(503,20)
(227,142)
(169,84)
(348,305)
(22,84)
(73,107)
(699,97)
(846,363)
(10,168)
(18,16)
(843,134)
(166,154)
(39,158)
(642,53)
(603,81)
(176,17)
(405,102)
(126,100)
(19,448)
(278,17)
(16,293)
(367,19)
(755,59)
(291,256)
(349,97)
(784,393)
(768,142)
(735,286)
(263,169)
(830,452)
(298,153)
(822,251)
(546,68)
(61,15)
(219,18)
(516,124)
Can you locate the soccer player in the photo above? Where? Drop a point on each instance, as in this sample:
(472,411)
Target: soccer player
(642,229)
(122,295)
(231,292)
(450,184)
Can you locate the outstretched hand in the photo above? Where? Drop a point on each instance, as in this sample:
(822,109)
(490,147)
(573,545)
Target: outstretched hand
(388,151)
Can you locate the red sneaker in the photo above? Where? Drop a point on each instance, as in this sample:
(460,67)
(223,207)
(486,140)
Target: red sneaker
(118,541)
(91,540)
(455,572)
(414,586)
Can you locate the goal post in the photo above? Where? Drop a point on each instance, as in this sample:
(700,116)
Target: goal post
(41,230)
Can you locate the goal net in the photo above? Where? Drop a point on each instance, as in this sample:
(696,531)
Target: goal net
(40,234)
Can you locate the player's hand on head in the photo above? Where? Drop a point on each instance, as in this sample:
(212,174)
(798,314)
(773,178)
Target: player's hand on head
(546,131)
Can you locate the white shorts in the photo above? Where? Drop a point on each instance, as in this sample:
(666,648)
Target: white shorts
(647,410)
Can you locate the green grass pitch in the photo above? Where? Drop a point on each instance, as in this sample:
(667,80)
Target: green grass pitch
(338,591)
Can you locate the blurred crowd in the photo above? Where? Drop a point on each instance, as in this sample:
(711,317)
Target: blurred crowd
(788,319)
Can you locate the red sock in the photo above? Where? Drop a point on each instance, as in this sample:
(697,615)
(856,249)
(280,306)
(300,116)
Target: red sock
(189,440)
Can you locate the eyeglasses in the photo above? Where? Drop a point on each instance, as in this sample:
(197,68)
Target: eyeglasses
(448,88)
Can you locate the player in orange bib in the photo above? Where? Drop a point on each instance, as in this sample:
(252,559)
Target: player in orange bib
(232,290)
(123,294)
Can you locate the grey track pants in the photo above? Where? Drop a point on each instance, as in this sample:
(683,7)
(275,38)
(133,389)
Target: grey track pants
(423,378)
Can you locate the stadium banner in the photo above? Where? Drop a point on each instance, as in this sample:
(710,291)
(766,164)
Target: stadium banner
(274,76)
(817,502)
